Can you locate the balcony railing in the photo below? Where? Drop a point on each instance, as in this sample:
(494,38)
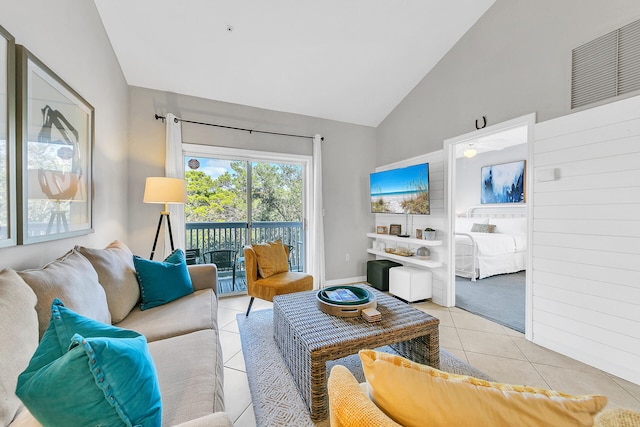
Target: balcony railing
(209,236)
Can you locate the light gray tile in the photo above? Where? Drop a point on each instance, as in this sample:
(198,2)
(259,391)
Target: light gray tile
(580,382)
(236,393)
(247,419)
(231,344)
(236,302)
(512,332)
(508,371)
(226,316)
(460,354)
(443,315)
(489,343)
(448,337)
(236,362)
(231,327)
(464,320)
(633,389)
(542,355)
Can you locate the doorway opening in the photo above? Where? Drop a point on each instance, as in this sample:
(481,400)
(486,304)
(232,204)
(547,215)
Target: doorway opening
(490,222)
(238,198)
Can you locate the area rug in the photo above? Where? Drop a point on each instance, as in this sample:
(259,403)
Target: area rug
(276,400)
(498,298)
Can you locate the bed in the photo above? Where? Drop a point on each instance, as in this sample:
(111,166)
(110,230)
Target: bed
(491,240)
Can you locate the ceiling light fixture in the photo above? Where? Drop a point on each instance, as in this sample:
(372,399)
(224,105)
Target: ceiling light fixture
(469,152)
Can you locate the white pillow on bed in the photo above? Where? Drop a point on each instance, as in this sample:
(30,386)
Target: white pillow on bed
(510,225)
(464,224)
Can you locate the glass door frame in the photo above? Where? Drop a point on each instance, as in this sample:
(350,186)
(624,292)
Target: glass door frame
(226,153)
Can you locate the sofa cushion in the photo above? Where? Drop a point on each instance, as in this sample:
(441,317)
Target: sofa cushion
(18,340)
(74,281)
(406,391)
(190,375)
(271,258)
(162,281)
(86,372)
(170,320)
(117,275)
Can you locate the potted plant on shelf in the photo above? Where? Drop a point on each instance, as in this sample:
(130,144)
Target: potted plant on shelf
(429,234)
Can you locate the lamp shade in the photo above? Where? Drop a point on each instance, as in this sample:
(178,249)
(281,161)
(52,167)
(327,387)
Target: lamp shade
(165,190)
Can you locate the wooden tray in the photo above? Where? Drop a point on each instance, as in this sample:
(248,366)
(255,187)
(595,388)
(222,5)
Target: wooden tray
(345,310)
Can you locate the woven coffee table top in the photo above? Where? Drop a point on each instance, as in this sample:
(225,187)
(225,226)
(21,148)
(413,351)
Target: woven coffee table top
(321,330)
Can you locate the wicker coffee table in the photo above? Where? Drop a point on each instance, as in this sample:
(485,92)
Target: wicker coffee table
(308,338)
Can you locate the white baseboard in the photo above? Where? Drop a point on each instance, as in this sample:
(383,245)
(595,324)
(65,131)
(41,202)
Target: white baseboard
(345,281)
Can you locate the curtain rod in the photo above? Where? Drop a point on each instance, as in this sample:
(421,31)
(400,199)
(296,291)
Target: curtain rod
(177,120)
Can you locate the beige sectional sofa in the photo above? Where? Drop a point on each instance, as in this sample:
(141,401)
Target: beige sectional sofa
(100,284)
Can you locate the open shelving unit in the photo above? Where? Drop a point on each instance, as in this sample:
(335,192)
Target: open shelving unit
(413,260)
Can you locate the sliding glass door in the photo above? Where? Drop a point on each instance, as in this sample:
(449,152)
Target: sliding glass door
(235,202)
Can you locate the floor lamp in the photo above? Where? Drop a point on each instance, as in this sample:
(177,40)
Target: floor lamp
(164,190)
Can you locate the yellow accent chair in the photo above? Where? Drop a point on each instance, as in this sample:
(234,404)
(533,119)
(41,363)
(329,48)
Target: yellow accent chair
(268,275)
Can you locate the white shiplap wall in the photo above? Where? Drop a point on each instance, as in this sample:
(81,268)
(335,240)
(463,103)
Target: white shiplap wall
(435,220)
(586,237)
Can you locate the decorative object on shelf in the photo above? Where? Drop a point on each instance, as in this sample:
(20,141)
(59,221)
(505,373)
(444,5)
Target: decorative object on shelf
(164,191)
(504,183)
(399,251)
(379,246)
(423,253)
(418,233)
(429,234)
(382,229)
(395,229)
(55,130)
(328,300)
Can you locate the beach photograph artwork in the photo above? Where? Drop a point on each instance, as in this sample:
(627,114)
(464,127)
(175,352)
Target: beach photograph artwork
(403,190)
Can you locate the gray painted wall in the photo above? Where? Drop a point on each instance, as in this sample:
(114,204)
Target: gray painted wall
(68,37)
(514,61)
(348,158)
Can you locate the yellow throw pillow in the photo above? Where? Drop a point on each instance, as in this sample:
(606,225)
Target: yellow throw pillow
(271,257)
(418,395)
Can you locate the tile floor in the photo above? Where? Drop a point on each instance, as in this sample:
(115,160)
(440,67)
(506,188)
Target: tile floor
(500,352)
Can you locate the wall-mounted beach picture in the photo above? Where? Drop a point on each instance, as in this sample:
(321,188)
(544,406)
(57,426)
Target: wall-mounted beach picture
(402,190)
(503,183)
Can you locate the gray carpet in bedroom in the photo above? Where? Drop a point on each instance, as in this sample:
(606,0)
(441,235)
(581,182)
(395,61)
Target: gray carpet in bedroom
(498,298)
(276,400)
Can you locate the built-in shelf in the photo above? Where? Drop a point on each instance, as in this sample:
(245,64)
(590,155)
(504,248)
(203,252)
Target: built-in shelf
(407,259)
(407,240)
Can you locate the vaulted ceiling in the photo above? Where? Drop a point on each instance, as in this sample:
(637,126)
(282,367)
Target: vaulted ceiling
(346,60)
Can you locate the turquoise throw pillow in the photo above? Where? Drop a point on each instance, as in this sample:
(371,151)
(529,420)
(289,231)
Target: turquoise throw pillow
(162,281)
(85,372)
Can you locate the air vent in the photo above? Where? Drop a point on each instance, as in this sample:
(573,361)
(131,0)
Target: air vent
(606,67)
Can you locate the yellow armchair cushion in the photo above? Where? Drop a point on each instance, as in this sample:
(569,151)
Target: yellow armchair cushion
(418,395)
(272,258)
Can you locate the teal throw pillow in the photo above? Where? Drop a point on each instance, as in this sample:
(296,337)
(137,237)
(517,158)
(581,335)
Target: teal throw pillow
(85,372)
(162,281)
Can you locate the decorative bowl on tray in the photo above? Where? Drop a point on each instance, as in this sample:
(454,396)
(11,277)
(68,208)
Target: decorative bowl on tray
(345,301)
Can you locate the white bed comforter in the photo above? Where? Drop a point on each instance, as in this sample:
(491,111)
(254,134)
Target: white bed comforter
(494,244)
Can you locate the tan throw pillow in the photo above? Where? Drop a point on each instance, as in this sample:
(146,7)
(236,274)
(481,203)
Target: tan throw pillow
(18,338)
(117,275)
(408,392)
(73,280)
(271,257)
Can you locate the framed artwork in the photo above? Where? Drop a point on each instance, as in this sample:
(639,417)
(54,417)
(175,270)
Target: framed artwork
(418,233)
(381,229)
(395,229)
(7,140)
(55,154)
(503,183)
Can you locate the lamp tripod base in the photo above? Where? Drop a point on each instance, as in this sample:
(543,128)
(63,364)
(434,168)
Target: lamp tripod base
(155,241)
